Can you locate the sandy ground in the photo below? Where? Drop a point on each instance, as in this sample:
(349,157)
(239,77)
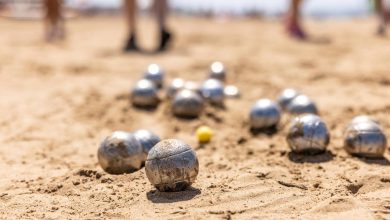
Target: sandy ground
(59,101)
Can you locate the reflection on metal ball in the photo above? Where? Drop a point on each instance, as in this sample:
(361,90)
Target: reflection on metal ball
(187,103)
(213,91)
(176,85)
(365,138)
(362,118)
(194,86)
(231,91)
(264,114)
(147,140)
(286,97)
(155,74)
(217,71)
(302,105)
(171,165)
(144,94)
(120,153)
(308,134)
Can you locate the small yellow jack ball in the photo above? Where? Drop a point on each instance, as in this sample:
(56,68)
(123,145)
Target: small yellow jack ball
(204,134)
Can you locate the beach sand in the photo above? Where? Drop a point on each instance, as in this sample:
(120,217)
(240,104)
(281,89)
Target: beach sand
(59,101)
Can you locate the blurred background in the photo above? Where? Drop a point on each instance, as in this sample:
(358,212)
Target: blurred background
(315,8)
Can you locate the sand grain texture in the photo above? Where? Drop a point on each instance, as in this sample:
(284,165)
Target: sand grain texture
(59,101)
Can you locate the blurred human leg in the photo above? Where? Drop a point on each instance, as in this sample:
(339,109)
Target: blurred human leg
(55,28)
(130,8)
(293,22)
(161,10)
(383,15)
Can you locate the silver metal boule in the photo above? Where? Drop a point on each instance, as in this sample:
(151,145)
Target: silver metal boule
(302,104)
(231,91)
(147,140)
(120,153)
(308,134)
(213,91)
(362,118)
(187,103)
(144,94)
(217,71)
(171,165)
(286,97)
(264,114)
(176,85)
(155,74)
(194,86)
(365,138)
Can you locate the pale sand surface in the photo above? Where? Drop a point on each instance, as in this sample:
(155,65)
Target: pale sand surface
(59,101)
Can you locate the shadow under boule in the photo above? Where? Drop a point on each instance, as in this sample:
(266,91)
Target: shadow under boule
(268,131)
(383,161)
(145,108)
(310,157)
(156,196)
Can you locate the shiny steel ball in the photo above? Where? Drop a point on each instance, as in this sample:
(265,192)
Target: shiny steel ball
(286,97)
(365,138)
(171,165)
(302,104)
(176,85)
(231,91)
(194,86)
(144,94)
(264,114)
(187,103)
(155,74)
(308,134)
(120,153)
(213,91)
(147,140)
(362,118)
(217,71)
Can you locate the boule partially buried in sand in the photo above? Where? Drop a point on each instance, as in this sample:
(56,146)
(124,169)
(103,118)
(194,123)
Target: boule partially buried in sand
(120,153)
(308,134)
(365,138)
(171,165)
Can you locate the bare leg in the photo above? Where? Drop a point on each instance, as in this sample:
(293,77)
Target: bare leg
(130,8)
(161,10)
(381,12)
(293,23)
(54,20)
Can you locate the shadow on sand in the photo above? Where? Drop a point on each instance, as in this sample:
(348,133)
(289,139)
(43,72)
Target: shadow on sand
(310,158)
(267,131)
(383,161)
(156,196)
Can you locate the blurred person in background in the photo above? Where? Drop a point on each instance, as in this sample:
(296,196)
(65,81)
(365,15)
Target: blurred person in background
(294,25)
(54,21)
(384,16)
(160,8)
(293,21)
